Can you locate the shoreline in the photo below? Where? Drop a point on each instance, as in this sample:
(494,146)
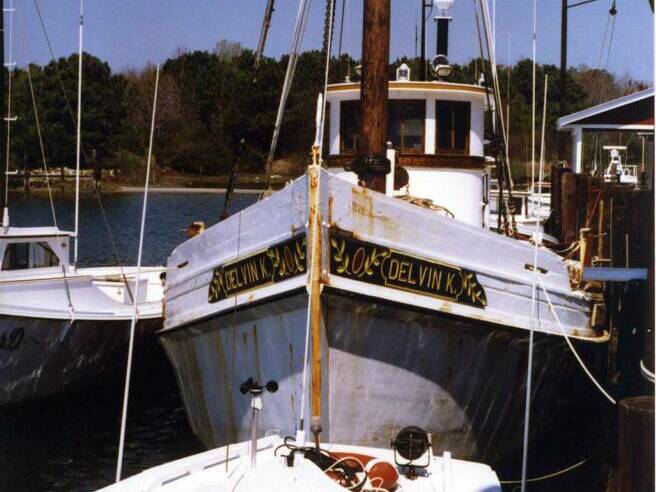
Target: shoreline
(183,190)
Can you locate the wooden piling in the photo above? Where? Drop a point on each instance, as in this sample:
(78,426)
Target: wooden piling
(636,445)
(568,212)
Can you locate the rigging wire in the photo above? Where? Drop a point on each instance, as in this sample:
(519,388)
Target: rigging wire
(612,35)
(533,104)
(135,301)
(534,298)
(38,125)
(329,45)
(297,39)
(78,138)
(108,229)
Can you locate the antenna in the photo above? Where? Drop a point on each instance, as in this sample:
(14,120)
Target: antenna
(78,137)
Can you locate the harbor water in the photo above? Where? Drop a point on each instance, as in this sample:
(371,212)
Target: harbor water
(69,442)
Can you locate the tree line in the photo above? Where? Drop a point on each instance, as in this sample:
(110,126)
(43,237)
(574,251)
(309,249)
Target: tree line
(212,108)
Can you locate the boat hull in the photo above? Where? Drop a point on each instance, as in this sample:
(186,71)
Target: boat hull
(385,366)
(40,357)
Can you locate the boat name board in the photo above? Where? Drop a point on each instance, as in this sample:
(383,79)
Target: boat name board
(378,265)
(276,263)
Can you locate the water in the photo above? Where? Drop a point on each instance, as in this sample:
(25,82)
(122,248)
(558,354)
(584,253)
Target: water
(70,442)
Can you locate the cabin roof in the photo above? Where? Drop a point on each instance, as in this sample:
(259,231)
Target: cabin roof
(26,232)
(413,85)
(632,112)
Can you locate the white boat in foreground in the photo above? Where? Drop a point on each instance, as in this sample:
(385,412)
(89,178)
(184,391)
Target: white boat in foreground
(228,469)
(276,464)
(63,327)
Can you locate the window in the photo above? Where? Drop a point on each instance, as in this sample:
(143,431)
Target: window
(349,125)
(452,127)
(21,256)
(405,125)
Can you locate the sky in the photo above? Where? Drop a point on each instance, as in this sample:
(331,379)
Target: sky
(131,33)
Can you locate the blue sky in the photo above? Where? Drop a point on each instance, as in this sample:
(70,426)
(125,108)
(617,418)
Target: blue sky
(130,33)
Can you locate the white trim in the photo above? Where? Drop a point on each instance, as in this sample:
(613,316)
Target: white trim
(609,127)
(566,121)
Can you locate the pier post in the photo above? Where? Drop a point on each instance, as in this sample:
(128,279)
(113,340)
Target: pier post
(636,445)
(568,209)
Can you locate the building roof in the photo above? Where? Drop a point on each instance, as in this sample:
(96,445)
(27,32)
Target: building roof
(633,112)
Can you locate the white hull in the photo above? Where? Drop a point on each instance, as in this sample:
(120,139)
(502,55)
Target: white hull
(63,332)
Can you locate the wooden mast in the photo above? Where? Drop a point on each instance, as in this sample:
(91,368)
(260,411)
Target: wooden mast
(372,164)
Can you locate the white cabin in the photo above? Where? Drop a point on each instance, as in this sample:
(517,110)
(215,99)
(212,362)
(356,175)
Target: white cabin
(39,249)
(437,132)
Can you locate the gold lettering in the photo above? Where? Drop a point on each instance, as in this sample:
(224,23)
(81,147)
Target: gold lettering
(449,284)
(436,279)
(423,271)
(263,268)
(403,271)
(358,261)
(411,279)
(253,269)
(393,271)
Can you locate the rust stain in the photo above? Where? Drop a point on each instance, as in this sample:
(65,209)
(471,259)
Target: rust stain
(226,384)
(244,339)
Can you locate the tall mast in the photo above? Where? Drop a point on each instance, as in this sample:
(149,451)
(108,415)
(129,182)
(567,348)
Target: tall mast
(6,110)
(3,110)
(78,137)
(372,165)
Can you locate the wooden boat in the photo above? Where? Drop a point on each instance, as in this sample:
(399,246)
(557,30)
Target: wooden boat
(418,315)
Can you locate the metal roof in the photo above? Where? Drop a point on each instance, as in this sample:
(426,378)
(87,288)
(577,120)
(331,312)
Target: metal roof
(578,119)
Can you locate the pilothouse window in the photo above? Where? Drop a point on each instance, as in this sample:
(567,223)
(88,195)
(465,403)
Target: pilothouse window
(21,256)
(405,125)
(350,126)
(452,127)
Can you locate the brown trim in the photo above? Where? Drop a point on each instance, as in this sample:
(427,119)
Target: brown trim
(424,86)
(422,160)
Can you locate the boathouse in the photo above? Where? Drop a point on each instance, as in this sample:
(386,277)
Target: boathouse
(632,113)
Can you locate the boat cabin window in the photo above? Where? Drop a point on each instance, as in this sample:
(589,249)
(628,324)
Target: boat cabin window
(452,127)
(349,126)
(405,125)
(21,256)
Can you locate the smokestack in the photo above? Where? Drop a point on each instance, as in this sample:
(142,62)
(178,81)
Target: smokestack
(443,36)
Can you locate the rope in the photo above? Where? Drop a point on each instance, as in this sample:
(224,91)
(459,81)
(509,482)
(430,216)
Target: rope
(545,477)
(299,30)
(571,347)
(135,302)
